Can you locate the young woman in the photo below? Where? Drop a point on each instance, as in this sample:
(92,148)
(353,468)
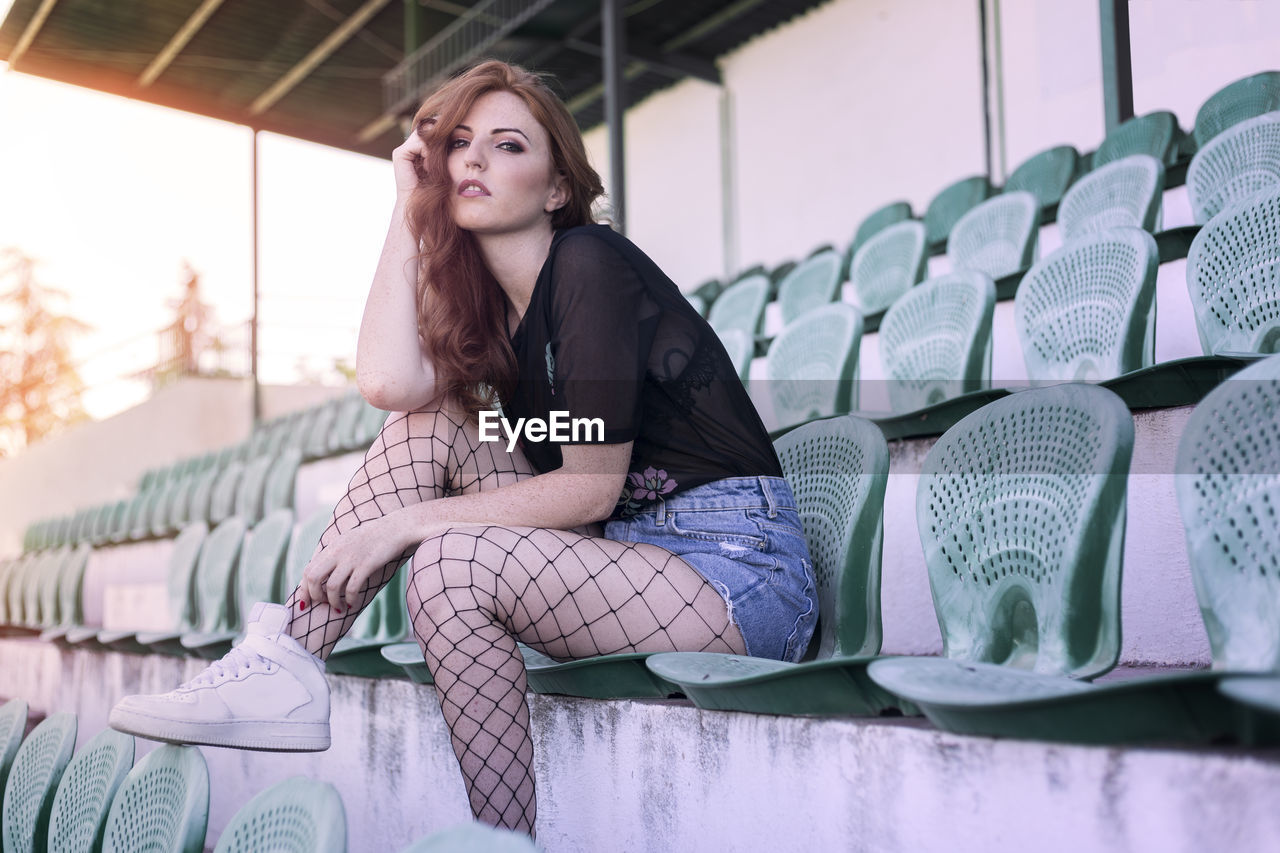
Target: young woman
(495,289)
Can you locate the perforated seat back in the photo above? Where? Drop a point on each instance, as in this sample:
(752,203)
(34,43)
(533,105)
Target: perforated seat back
(13,724)
(1046,175)
(33,782)
(888,265)
(163,804)
(1124,192)
(811,284)
(1245,98)
(261,575)
(80,807)
(953,202)
(1021,511)
(741,306)
(473,837)
(1229,497)
(215,578)
(812,364)
(878,220)
(838,469)
(298,815)
(935,342)
(1234,165)
(741,347)
(997,237)
(1233,276)
(1154,134)
(1087,312)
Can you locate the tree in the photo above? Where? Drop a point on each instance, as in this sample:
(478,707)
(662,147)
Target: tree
(41,387)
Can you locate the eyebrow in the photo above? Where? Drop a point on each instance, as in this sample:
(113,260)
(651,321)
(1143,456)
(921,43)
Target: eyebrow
(498,130)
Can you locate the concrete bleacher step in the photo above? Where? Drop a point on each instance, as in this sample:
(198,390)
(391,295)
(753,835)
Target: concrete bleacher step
(661,775)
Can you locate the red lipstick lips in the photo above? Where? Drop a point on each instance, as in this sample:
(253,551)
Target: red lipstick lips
(471,188)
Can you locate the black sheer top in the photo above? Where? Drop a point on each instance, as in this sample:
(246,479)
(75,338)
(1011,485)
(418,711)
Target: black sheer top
(607,335)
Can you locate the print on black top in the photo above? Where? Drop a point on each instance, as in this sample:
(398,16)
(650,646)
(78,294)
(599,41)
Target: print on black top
(607,335)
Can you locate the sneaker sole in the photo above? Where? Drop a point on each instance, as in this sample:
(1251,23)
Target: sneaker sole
(264,736)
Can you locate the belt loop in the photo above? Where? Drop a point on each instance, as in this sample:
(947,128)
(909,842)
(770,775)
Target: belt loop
(662,513)
(768,496)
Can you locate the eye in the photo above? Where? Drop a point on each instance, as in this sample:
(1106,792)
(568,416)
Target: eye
(459,143)
(512,147)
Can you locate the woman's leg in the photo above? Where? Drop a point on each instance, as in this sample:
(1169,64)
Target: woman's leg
(476,590)
(418,456)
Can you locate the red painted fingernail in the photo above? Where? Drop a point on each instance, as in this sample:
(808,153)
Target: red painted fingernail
(336,610)
(302,605)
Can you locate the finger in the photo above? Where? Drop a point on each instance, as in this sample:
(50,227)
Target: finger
(313,579)
(333,587)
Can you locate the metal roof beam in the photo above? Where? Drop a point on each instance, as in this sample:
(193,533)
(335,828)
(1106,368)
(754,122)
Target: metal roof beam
(184,34)
(29,34)
(319,54)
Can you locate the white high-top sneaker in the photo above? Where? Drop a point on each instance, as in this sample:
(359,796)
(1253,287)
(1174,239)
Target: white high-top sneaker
(267,693)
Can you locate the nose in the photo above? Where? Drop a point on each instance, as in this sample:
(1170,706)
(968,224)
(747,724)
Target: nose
(474,157)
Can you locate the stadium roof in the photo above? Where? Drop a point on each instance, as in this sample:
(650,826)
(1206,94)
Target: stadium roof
(338,72)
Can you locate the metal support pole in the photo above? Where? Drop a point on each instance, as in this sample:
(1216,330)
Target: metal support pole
(986,88)
(1117,63)
(613,33)
(415,26)
(253,321)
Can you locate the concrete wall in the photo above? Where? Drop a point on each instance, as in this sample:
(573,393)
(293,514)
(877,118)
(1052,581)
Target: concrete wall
(663,776)
(99,461)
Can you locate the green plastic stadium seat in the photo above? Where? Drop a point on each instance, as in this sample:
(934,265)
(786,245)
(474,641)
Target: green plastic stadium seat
(1236,102)
(935,342)
(33,782)
(1087,311)
(838,469)
(202,495)
(741,306)
(302,545)
(13,724)
(1123,192)
(342,437)
(89,784)
(698,304)
(1259,697)
(1233,275)
(811,284)
(157,521)
(1046,175)
(408,656)
(1021,510)
(148,506)
(182,564)
(875,222)
(709,290)
(384,622)
(259,578)
(951,203)
(1235,165)
(163,804)
(1155,134)
(887,266)
(473,838)
(314,443)
(812,366)
(222,500)
(740,346)
(278,490)
(49,586)
(370,424)
(213,590)
(247,503)
(997,237)
(298,815)
(69,588)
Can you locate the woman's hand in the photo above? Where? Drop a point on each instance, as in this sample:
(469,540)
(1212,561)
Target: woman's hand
(338,573)
(408,162)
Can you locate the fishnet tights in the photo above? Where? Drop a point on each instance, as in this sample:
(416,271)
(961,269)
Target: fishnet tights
(475,590)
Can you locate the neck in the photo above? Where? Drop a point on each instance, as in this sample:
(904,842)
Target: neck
(515,260)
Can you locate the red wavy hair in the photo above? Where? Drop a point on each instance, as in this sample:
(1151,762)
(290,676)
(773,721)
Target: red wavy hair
(461,309)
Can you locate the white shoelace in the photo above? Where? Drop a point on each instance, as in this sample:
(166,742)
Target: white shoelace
(233,663)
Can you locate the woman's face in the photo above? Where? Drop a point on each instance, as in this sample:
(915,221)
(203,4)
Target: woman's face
(500,165)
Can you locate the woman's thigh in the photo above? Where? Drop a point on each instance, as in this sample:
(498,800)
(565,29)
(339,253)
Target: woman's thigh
(566,594)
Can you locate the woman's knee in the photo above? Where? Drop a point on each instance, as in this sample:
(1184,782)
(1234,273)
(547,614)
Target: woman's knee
(452,570)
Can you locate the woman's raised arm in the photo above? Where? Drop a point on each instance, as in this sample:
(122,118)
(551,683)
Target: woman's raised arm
(392,370)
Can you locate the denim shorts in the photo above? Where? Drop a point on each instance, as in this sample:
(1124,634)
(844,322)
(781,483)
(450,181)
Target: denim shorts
(742,534)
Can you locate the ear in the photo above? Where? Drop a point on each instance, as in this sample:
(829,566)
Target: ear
(559,196)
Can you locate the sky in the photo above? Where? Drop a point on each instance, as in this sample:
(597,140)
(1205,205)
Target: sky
(112,197)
